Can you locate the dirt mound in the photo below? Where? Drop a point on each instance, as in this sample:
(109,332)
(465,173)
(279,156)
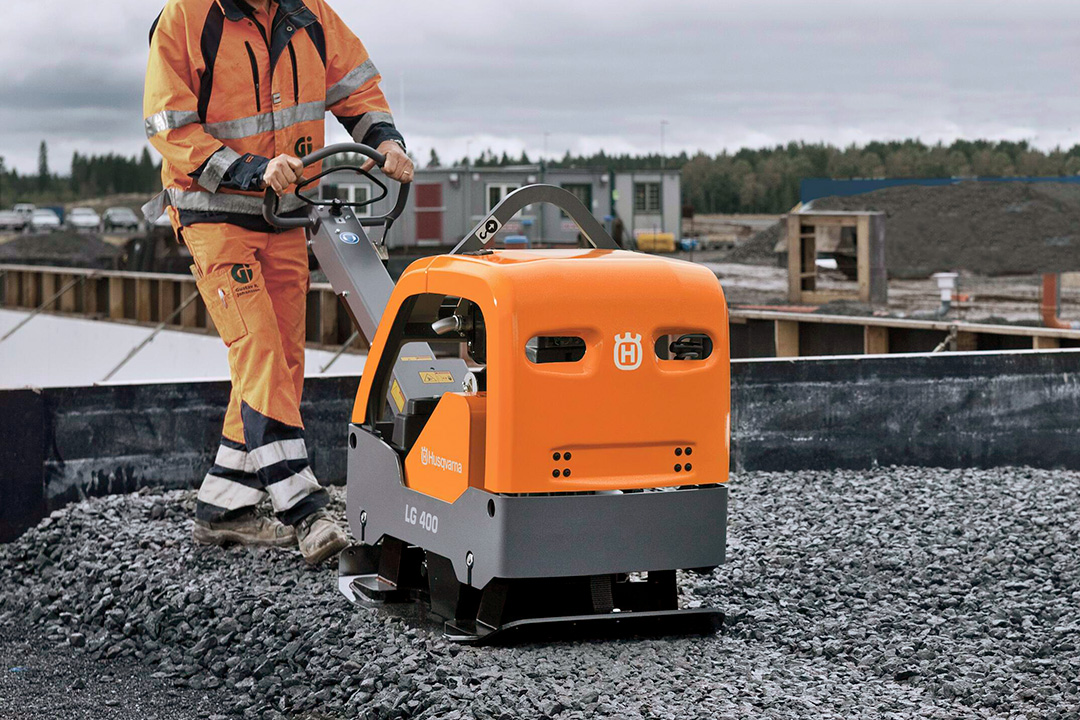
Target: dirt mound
(988,228)
(64,249)
(759,248)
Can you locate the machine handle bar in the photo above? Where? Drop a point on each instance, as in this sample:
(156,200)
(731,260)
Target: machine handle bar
(270,199)
(484,233)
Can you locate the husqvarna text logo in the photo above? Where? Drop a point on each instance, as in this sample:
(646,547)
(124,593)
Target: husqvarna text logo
(628,351)
(429,458)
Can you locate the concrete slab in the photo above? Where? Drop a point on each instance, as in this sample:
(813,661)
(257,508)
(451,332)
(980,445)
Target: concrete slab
(56,351)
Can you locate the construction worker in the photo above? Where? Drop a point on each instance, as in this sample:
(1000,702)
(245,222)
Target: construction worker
(235,91)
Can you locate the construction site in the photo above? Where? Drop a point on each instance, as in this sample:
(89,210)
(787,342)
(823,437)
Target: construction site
(899,542)
(295,427)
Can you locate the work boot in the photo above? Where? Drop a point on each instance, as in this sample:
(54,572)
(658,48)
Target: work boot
(320,537)
(248,529)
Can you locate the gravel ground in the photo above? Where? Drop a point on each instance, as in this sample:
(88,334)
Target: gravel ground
(39,679)
(896,592)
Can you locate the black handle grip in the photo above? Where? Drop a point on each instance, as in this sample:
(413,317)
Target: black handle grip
(270,199)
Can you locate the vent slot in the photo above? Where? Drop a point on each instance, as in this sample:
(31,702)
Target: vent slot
(686,347)
(544,349)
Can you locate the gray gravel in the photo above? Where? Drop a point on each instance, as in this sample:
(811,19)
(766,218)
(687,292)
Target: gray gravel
(891,593)
(40,679)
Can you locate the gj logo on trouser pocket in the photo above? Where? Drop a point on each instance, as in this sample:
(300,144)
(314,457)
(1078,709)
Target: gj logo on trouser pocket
(221,304)
(242,274)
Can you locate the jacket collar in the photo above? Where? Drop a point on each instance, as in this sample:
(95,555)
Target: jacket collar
(232,9)
(235,12)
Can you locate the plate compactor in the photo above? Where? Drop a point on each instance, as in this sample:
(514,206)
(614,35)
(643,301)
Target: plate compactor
(561,457)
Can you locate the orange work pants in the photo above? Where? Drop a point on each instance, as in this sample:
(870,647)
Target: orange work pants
(255,288)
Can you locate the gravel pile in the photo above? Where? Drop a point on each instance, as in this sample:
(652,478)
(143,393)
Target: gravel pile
(893,593)
(759,248)
(63,248)
(988,228)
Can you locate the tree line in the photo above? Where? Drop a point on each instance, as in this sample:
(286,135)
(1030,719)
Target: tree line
(764,180)
(91,176)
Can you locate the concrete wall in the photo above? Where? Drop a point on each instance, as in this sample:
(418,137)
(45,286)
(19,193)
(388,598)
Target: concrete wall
(63,444)
(946,410)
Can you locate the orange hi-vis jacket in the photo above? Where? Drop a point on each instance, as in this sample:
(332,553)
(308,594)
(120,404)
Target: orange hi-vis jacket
(226,90)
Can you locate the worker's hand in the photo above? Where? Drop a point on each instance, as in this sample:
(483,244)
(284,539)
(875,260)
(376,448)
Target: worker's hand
(398,165)
(282,172)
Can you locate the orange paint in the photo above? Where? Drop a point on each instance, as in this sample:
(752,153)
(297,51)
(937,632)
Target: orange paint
(449,454)
(620,411)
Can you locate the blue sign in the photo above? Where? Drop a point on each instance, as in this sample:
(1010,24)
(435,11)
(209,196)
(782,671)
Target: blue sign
(813,188)
(350,238)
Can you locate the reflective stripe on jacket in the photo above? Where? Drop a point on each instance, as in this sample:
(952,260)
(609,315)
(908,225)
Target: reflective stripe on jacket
(227,88)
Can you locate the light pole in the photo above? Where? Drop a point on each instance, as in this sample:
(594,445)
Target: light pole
(663,131)
(468,185)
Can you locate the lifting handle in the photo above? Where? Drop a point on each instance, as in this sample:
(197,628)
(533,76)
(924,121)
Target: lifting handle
(484,233)
(270,199)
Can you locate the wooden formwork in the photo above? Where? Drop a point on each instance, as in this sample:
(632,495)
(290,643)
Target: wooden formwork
(766,333)
(153,298)
(149,299)
(806,237)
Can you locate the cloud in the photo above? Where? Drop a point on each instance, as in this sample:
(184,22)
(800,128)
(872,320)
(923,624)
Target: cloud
(604,74)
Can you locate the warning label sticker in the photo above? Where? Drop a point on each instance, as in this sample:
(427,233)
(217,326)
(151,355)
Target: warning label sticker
(417,358)
(436,378)
(398,396)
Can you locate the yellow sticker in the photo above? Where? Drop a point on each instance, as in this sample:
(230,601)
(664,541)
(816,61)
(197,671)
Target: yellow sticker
(399,397)
(436,378)
(425,358)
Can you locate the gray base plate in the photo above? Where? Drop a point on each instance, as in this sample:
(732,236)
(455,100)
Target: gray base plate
(698,621)
(369,590)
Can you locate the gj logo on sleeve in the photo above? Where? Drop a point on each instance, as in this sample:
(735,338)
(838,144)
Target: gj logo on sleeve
(628,351)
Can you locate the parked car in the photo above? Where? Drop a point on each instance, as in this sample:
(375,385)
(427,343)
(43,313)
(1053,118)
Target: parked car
(83,219)
(120,218)
(11,220)
(25,210)
(44,220)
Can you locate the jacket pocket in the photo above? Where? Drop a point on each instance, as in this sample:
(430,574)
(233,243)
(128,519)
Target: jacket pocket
(255,77)
(295,75)
(217,293)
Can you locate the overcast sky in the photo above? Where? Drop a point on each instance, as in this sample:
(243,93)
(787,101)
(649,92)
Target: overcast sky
(597,74)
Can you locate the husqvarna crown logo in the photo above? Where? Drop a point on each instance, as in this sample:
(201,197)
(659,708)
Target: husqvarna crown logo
(628,351)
